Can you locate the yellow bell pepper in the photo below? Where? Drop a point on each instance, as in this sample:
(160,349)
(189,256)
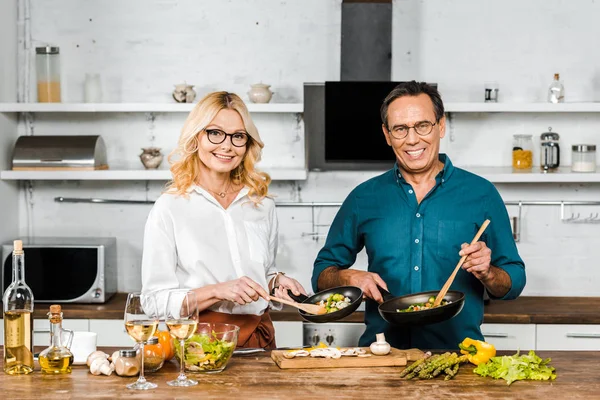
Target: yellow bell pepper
(479,352)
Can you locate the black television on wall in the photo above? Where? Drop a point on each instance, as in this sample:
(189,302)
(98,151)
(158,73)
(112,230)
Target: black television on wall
(343,126)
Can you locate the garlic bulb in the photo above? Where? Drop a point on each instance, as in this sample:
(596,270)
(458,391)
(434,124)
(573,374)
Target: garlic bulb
(380,347)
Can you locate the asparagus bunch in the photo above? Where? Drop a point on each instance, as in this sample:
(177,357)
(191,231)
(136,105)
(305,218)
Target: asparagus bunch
(431,366)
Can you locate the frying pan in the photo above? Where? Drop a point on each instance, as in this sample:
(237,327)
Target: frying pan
(390,304)
(352,292)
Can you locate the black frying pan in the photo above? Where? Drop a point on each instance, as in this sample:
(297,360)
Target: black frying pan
(388,309)
(352,292)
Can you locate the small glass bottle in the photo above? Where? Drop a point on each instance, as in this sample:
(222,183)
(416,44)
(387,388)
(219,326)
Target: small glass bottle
(56,359)
(18,310)
(522,153)
(127,364)
(154,355)
(47,66)
(556,91)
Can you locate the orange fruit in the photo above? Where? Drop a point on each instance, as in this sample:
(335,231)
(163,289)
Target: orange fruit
(165,339)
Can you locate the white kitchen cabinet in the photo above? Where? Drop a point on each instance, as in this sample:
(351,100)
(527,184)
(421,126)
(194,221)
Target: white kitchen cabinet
(41,329)
(568,337)
(111,332)
(288,333)
(510,336)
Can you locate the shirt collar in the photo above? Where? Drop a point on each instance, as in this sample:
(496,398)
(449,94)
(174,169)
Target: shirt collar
(444,174)
(200,190)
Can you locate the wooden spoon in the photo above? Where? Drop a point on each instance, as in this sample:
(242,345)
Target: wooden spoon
(309,308)
(446,286)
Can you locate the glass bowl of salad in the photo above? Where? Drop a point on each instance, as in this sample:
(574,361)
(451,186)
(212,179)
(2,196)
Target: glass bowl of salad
(210,348)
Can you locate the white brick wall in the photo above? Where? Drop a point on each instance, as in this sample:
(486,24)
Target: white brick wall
(142,48)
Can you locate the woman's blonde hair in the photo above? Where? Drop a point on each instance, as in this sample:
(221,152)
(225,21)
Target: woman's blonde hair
(186,168)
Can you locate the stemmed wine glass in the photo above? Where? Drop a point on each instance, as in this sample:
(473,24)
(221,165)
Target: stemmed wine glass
(181,316)
(141,321)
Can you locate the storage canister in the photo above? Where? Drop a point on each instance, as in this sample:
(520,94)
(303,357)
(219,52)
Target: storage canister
(47,68)
(522,154)
(583,158)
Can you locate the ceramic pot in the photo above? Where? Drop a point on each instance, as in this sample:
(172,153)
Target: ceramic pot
(151,157)
(184,93)
(260,93)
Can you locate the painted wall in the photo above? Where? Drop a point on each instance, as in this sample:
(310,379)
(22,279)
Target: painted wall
(142,48)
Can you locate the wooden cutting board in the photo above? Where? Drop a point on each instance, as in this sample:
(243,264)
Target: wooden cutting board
(396,358)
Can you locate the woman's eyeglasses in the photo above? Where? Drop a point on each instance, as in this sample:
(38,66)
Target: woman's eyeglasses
(217,136)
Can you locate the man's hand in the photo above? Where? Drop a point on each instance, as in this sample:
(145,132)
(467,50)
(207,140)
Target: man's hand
(367,281)
(478,260)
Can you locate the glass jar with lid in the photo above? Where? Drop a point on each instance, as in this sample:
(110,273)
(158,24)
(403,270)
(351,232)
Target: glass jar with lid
(522,153)
(47,68)
(127,364)
(154,355)
(583,158)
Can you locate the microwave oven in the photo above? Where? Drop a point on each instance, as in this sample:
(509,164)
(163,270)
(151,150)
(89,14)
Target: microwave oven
(66,270)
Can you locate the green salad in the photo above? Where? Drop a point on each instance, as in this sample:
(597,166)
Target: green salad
(205,353)
(517,367)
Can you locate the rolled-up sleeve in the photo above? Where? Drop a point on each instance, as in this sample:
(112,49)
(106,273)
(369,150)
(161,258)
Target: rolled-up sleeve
(504,249)
(343,242)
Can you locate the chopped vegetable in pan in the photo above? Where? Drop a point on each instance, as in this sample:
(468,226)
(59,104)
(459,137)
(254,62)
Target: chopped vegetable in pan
(335,302)
(423,306)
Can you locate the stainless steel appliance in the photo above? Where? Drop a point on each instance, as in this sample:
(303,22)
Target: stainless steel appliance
(336,334)
(67,270)
(59,152)
(550,151)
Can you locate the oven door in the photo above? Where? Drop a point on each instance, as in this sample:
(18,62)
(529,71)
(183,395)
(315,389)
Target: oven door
(58,274)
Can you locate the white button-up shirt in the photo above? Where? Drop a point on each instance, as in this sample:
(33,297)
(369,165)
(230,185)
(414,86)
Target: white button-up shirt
(194,242)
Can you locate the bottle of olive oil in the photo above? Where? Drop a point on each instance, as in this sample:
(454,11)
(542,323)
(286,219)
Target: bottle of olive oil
(57,358)
(18,324)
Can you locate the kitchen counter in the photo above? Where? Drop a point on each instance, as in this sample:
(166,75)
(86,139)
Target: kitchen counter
(258,377)
(524,310)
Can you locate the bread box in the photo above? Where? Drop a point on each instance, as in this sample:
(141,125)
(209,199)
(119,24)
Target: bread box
(79,153)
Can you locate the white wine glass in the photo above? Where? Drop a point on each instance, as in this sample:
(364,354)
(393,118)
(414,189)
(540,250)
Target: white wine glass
(141,321)
(181,315)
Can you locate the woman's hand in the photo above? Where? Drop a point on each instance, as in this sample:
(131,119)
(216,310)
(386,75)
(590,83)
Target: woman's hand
(241,291)
(284,283)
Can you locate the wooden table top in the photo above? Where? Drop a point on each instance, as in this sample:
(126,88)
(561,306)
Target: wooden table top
(524,310)
(257,377)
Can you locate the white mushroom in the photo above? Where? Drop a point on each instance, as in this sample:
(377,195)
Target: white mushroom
(94,355)
(114,357)
(101,366)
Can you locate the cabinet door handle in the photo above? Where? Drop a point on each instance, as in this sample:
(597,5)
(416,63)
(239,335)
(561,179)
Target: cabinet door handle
(584,335)
(42,331)
(496,335)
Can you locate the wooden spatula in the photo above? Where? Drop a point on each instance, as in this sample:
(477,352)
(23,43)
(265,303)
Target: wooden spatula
(446,286)
(309,308)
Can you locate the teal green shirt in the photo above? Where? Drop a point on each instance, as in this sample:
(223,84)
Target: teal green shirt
(414,247)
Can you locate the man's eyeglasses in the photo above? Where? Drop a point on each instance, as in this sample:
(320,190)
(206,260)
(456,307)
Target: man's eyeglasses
(422,128)
(217,136)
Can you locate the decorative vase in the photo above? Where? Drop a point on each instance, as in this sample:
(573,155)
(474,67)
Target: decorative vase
(184,93)
(260,93)
(151,157)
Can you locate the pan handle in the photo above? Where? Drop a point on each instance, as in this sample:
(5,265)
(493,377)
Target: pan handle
(386,295)
(298,299)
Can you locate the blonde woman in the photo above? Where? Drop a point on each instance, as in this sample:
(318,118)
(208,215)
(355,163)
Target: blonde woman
(215,230)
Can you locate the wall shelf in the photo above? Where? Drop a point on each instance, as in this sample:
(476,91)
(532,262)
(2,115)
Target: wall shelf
(506,175)
(136,107)
(589,107)
(277,174)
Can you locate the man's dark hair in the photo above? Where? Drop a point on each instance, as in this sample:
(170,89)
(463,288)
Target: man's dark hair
(413,88)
